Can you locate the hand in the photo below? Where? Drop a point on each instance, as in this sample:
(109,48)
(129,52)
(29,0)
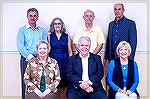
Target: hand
(128,92)
(122,91)
(46,92)
(84,84)
(89,89)
(39,93)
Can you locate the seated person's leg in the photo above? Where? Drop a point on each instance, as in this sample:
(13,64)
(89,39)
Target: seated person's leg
(121,96)
(98,95)
(72,94)
(133,96)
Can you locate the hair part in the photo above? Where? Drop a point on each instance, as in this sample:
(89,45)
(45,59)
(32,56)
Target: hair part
(33,10)
(43,42)
(84,38)
(122,44)
(63,28)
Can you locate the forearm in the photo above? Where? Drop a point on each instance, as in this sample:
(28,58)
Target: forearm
(98,49)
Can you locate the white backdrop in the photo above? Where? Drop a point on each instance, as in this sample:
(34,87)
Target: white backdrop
(14,16)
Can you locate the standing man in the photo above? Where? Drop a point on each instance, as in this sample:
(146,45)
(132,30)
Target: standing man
(28,36)
(95,33)
(121,29)
(85,72)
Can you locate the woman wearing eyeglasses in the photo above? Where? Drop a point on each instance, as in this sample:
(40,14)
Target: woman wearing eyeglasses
(61,49)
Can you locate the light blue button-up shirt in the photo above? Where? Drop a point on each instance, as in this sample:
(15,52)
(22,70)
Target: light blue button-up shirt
(27,38)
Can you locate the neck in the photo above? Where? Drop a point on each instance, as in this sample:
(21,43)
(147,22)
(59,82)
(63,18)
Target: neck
(124,60)
(89,26)
(118,18)
(32,25)
(42,58)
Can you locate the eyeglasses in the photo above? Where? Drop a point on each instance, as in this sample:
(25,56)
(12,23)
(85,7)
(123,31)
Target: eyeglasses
(57,23)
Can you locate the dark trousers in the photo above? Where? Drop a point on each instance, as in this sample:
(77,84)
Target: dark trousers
(23,65)
(82,94)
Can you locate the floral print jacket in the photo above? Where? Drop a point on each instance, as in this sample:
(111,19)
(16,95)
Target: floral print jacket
(33,73)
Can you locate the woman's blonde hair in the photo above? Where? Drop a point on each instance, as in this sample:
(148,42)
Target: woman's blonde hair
(121,44)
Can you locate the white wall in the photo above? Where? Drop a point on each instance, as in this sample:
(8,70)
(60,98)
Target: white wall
(14,16)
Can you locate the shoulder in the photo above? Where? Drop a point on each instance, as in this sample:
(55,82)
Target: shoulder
(129,21)
(22,28)
(51,60)
(95,57)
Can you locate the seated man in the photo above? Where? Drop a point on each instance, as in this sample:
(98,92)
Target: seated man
(85,72)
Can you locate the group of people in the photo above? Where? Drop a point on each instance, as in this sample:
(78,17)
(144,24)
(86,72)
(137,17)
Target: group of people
(49,70)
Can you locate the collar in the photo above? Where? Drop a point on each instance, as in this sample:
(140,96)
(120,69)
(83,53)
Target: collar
(83,57)
(120,20)
(28,26)
(85,29)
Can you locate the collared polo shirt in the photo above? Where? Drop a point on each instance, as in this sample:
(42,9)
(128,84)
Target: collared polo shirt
(95,34)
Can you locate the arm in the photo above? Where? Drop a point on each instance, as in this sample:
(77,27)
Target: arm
(110,75)
(133,39)
(21,45)
(97,77)
(98,49)
(71,73)
(53,86)
(28,82)
(136,78)
(69,46)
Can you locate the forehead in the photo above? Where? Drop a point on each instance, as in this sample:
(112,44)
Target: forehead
(84,41)
(57,21)
(117,6)
(32,13)
(42,45)
(88,12)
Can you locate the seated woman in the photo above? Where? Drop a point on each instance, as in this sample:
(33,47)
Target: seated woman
(42,75)
(123,77)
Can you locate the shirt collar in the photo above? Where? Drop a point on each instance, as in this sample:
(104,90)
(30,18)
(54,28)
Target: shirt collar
(85,29)
(83,57)
(28,25)
(120,20)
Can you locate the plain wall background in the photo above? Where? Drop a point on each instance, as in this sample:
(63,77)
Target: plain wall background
(14,16)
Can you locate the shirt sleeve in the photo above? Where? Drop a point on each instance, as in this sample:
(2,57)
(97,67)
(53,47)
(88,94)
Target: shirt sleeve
(136,78)
(21,43)
(100,36)
(110,75)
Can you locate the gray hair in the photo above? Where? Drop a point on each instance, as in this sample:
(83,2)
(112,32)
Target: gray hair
(85,38)
(122,44)
(63,29)
(43,42)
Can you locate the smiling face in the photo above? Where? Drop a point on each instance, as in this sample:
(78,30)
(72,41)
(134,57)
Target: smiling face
(118,11)
(57,25)
(123,52)
(32,17)
(88,16)
(42,50)
(84,47)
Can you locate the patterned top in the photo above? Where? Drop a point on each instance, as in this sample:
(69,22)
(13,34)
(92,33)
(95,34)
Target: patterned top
(33,73)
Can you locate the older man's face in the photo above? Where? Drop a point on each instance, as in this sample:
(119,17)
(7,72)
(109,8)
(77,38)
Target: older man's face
(118,11)
(84,47)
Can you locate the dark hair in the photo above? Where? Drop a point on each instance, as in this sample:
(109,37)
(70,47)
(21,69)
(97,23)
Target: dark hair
(32,9)
(63,29)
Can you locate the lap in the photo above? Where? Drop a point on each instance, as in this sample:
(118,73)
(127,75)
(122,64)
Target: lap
(124,96)
(81,94)
(33,95)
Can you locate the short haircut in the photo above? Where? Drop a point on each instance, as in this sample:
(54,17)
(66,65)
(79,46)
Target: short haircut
(32,9)
(43,42)
(122,44)
(85,38)
(88,11)
(120,4)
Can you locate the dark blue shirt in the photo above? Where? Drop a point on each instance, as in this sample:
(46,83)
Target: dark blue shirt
(116,28)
